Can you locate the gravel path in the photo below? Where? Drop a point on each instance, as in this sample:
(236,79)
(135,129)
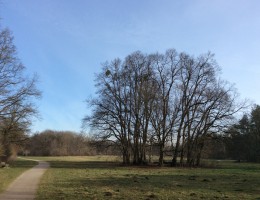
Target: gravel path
(25,186)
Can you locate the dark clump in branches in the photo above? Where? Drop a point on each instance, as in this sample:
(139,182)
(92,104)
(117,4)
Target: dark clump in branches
(172,101)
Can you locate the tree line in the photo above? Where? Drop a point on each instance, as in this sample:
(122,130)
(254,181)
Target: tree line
(58,143)
(171,99)
(243,138)
(240,141)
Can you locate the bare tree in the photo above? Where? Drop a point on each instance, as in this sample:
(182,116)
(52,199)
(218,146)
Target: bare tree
(164,112)
(123,109)
(16,95)
(141,93)
(111,115)
(207,103)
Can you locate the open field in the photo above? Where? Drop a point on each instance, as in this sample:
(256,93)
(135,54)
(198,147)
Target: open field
(8,174)
(104,178)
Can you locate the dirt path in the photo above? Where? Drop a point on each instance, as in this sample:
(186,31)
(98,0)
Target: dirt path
(25,186)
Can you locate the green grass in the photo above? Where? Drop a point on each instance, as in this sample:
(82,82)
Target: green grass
(105,178)
(8,174)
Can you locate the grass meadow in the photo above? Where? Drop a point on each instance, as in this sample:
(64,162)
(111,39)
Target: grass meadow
(8,174)
(102,177)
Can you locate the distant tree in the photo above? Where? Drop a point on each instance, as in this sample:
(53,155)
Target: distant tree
(59,143)
(243,138)
(214,147)
(254,136)
(236,144)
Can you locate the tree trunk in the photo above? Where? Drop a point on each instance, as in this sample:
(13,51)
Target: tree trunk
(161,154)
(176,150)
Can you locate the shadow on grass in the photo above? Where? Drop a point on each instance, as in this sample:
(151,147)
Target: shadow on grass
(23,164)
(84,165)
(112,164)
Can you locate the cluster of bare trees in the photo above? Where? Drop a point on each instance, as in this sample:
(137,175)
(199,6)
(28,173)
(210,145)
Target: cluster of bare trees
(171,99)
(17,93)
(58,143)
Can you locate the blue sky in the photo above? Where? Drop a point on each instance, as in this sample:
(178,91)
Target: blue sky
(66,41)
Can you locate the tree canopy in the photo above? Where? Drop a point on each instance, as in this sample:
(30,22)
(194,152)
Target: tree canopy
(171,99)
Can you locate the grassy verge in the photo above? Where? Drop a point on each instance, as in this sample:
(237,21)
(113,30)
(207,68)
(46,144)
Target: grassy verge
(104,178)
(8,174)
